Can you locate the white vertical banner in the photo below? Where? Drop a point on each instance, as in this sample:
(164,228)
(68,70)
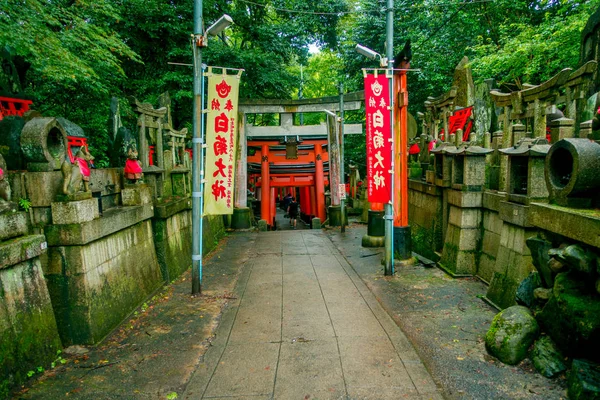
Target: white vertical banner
(221,139)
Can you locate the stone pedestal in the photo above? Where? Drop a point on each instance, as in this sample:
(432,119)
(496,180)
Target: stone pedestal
(75,212)
(263,226)
(402,243)
(241,218)
(459,256)
(316,223)
(375,236)
(335,216)
(513,260)
(136,195)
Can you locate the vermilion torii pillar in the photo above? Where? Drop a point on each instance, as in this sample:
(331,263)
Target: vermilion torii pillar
(402,242)
(273,206)
(313,206)
(265,192)
(319,183)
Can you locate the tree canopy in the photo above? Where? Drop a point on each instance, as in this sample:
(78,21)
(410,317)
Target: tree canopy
(72,56)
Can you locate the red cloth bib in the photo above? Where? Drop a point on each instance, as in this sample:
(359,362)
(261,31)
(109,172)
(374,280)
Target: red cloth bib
(132,167)
(83,167)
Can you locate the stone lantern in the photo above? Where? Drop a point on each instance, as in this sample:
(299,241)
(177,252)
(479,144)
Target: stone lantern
(524,185)
(442,165)
(468,167)
(572,173)
(464,202)
(526,164)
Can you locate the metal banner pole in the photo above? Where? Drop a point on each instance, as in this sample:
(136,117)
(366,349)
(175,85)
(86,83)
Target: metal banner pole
(389,227)
(198,151)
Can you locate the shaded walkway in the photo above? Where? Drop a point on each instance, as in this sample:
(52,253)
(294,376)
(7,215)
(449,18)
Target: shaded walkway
(283,223)
(303,325)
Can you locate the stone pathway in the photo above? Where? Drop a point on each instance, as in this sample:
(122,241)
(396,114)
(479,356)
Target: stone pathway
(304,326)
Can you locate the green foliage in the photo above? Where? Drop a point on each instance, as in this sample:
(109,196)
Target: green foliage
(67,43)
(24,204)
(71,57)
(533,53)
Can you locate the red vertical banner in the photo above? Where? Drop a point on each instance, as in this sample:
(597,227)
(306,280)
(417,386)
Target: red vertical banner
(379,148)
(221,140)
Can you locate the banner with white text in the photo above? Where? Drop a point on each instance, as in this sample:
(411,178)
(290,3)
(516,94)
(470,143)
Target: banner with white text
(221,138)
(379,148)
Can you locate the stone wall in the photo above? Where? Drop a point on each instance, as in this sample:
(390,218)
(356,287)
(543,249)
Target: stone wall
(425,214)
(96,281)
(172,226)
(95,272)
(492,229)
(28,332)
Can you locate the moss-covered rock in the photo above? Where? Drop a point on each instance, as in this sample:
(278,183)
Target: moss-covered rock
(571,316)
(584,381)
(540,258)
(580,259)
(546,358)
(526,288)
(512,332)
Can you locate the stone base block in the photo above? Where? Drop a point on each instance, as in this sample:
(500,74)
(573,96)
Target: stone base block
(241,218)
(513,264)
(373,241)
(458,264)
(13,225)
(335,216)
(402,243)
(75,212)
(74,197)
(465,199)
(136,195)
(173,243)
(376,224)
(316,223)
(465,217)
(263,226)
(516,214)
(502,291)
(20,249)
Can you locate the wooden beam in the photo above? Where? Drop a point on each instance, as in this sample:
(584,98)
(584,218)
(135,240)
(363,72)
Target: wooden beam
(295,130)
(299,108)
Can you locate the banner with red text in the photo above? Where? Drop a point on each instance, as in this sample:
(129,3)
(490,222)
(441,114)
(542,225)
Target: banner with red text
(221,138)
(379,148)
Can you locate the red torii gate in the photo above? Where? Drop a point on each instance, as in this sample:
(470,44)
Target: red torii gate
(269,169)
(304,177)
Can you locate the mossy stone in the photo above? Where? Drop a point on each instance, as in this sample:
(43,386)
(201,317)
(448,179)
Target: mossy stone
(584,381)
(571,316)
(546,358)
(512,332)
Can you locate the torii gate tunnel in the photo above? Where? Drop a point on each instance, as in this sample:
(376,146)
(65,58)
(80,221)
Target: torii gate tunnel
(294,159)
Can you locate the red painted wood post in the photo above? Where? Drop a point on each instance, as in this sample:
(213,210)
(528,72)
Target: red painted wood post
(313,206)
(273,206)
(320,183)
(264,185)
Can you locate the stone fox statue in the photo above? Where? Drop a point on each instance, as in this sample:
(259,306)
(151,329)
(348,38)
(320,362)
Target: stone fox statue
(77,173)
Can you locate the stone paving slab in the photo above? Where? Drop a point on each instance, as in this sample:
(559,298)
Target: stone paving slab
(303,325)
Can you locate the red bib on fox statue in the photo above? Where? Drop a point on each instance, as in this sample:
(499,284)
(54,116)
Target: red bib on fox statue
(133,167)
(84,168)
